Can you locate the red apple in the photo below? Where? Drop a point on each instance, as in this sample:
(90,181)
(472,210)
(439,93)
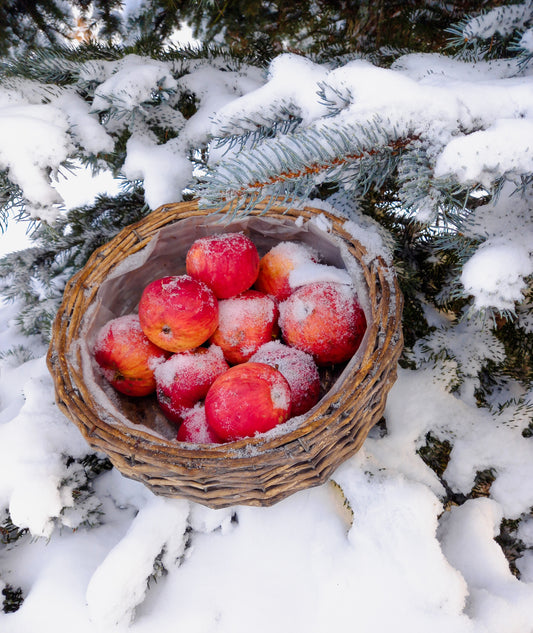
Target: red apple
(276,266)
(299,369)
(247,399)
(195,429)
(127,358)
(185,377)
(325,320)
(245,322)
(178,313)
(227,262)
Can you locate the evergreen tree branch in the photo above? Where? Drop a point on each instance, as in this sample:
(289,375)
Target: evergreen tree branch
(288,166)
(37,275)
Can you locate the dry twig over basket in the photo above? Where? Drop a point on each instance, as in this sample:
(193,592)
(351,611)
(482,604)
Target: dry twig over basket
(257,471)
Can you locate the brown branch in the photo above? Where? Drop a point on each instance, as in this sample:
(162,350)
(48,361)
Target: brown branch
(320,167)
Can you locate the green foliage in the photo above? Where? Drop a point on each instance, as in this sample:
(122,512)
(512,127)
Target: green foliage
(370,172)
(492,33)
(61,64)
(13,598)
(9,532)
(387,175)
(17,355)
(356,157)
(28,25)
(11,201)
(436,454)
(36,276)
(327,28)
(79,481)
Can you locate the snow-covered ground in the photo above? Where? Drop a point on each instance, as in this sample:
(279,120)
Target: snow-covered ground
(393,559)
(374,550)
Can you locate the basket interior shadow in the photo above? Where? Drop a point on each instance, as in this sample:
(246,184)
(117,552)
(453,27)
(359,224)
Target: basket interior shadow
(135,435)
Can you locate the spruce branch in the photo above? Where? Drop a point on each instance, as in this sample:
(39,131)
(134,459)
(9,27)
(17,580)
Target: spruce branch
(11,202)
(9,532)
(493,33)
(37,275)
(13,598)
(62,65)
(251,137)
(291,166)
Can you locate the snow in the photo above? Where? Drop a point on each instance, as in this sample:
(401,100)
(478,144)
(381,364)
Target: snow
(33,137)
(506,146)
(260,103)
(502,20)
(86,130)
(312,271)
(473,120)
(435,569)
(473,117)
(216,89)
(526,41)
(131,81)
(164,171)
(495,275)
(117,588)
(33,443)
(374,549)
(79,186)
(497,600)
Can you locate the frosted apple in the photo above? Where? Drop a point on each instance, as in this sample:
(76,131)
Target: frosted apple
(276,265)
(126,357)
(185,378)
(325,320)
(247,399)
(195,429)
(245,322)
(227,262)
(299,369)
(178,313)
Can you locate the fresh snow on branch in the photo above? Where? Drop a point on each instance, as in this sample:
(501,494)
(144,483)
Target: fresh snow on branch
(502,20)
(132,81)
(427,163)
(119,584)
(526,41)
(34,140)
(504,147)
(33,445)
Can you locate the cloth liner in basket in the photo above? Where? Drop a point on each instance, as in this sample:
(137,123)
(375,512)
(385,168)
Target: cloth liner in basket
(133,432)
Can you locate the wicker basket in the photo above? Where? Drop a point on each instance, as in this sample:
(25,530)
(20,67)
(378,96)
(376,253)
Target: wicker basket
(259,471)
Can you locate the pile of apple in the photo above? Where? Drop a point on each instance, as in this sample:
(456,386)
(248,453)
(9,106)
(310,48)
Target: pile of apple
(232,348)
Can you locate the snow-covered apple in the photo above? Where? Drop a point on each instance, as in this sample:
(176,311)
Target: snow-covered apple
(126,357)
(195,429)
(185,378)
(245,322)
(247,399)
(276,265)
(300,370)
(227,262)
(178,313)
(325,320)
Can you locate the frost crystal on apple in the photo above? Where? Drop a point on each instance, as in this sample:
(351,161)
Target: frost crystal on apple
(246,322)
(280,397)
(299,369)
(324,319)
